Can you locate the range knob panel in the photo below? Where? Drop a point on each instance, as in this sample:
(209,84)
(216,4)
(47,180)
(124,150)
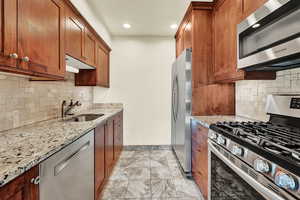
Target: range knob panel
(285,181)
(238,151)
(221,140)
(262,166)
(213,135)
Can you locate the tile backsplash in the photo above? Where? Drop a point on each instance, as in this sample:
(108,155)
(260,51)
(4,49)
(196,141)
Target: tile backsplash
(251,95)
(23,102)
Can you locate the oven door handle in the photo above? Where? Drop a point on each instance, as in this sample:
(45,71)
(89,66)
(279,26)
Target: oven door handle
(264,191)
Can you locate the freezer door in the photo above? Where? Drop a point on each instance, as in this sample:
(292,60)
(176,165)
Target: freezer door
(181,98)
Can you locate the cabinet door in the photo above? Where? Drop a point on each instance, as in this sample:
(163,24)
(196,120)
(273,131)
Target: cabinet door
(251,5)
(22,187)
(99,159)
(102,67)
(109,147)
(118,137)
(187,36)
(75,35)
(226,17)
(8,33)
(41,36)
(200,157)
(90,48)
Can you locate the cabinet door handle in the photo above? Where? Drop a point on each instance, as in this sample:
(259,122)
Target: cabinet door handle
(36,180)
(25,59)
(14,56)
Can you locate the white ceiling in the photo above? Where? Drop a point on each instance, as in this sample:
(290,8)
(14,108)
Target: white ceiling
(146,17)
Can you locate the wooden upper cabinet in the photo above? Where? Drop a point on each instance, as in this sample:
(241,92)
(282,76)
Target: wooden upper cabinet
(75,35)
(8,34)
(22,188)
(103,66)
(32,37)
(249,6)
(226,18)
(90,45)
(41,36)
(179,43)
(187,35)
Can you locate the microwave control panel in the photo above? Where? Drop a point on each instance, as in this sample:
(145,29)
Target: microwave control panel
(295,103)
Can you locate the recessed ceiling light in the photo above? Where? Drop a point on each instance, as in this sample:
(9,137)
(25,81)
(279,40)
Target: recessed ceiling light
(256,26)
(127,26)
(173,26)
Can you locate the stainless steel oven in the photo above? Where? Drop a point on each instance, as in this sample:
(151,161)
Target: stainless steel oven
(269,39)
(231,178)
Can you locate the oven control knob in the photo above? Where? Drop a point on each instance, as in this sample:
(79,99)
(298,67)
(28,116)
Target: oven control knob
(285,181)
(221,140)
(261,166)
(213,136)
(238,151)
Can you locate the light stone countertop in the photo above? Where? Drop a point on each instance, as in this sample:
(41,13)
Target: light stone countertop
(25,147)
(208,120)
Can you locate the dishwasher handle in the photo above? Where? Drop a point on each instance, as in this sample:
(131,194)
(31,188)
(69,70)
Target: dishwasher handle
(63,164)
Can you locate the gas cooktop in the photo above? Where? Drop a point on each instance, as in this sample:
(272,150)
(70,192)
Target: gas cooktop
(275,138)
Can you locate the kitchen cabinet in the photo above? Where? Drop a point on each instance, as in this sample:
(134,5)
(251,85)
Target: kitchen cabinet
(226,16)
(195,32)
(90,45)
(214,99)
(24,187)
(118,136)
(109,146)
(249,6)
(99,159)
(33,38)
(75,35)
(200,156)
(99,76)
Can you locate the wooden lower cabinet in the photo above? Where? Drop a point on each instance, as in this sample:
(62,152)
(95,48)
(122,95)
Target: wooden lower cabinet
(22,188)
(118,136)
(108,147)
(99,159)
(200,157)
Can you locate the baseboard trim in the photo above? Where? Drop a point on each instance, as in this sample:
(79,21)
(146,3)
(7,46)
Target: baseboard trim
(146,147)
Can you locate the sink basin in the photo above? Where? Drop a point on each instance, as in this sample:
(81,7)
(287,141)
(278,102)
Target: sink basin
(84,118)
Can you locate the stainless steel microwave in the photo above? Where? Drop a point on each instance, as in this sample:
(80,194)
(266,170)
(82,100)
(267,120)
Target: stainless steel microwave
(269,39)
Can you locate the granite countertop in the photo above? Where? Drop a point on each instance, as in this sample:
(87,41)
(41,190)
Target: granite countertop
(208,120)
(26,147)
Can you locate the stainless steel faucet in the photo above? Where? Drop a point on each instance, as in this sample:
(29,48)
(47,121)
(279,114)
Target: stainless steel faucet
(65,111)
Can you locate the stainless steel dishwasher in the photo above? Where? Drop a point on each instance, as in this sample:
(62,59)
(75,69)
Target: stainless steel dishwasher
(69,174)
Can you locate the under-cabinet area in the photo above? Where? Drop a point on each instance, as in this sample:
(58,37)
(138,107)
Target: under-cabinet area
(149,100)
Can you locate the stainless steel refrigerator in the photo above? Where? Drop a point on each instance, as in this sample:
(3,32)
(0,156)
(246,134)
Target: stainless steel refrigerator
(181,109)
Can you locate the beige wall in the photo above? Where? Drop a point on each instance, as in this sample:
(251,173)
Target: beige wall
(24,102)
(141,79)
(251,95)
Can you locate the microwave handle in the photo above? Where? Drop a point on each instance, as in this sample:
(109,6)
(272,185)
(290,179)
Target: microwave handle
(264,191)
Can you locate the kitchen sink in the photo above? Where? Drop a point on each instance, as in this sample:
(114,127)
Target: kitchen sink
(85,118)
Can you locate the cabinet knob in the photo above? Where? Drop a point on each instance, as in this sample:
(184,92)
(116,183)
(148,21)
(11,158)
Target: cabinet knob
(13,55)
(25,59)
(35,180)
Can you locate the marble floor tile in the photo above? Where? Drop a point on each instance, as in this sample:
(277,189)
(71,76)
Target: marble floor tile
(163,188)
(115,189)
(149,175)
(160,172)
(159,162)
(138,189)
(131,173)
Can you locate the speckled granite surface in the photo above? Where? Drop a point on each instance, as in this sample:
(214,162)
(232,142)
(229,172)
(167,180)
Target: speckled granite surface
(25,147)
(208,120)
